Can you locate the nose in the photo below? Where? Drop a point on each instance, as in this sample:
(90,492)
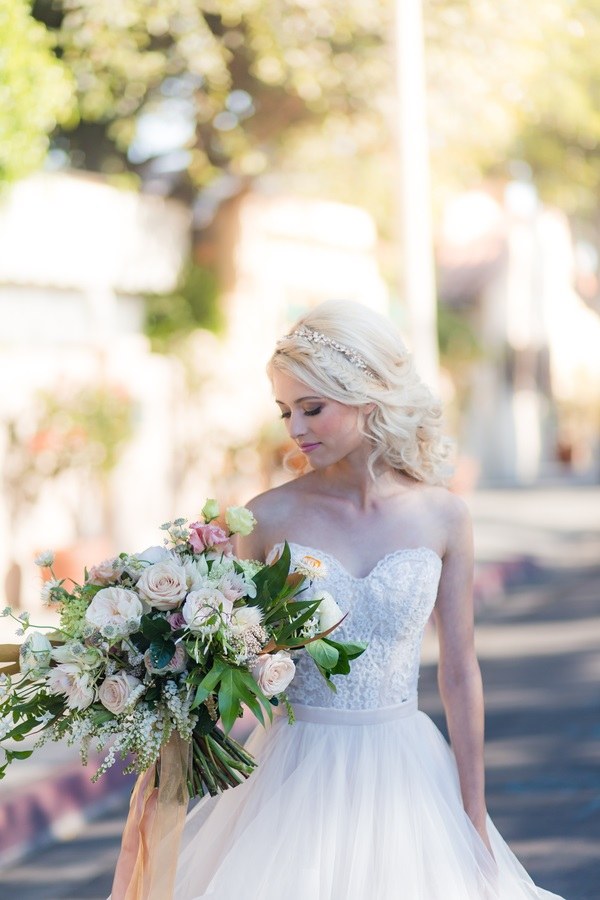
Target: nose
(297,425)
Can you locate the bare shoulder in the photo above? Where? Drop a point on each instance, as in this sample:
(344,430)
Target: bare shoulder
(452,515)
(272,510)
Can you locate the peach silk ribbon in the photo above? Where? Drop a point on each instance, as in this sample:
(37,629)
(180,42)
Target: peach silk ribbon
(9,659)
(150,845)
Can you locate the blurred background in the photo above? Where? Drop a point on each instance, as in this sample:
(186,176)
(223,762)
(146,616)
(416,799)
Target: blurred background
(180,179)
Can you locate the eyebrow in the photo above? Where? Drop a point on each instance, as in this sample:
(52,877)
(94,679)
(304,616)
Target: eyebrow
(299,400)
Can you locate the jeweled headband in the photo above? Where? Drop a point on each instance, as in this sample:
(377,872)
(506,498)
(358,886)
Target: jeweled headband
(317,337)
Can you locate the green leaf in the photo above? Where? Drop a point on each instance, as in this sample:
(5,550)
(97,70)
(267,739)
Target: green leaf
(323,654)
(229,702)
(246,679)
(205,723)
(270,581)
(209,682)
(161,653)
(153,626)
(351,650)
(20,754)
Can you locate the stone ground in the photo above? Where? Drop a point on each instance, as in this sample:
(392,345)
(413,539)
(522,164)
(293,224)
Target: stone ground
(538,636)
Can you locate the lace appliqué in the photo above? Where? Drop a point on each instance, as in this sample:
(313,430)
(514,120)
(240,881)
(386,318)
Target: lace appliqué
(388,609)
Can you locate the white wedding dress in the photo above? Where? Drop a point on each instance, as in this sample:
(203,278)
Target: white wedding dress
(359,799)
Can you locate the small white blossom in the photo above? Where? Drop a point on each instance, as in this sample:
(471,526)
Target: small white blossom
(44,560)
(48,589)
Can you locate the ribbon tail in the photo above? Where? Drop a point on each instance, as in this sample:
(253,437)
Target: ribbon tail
(169,820)
(128,883)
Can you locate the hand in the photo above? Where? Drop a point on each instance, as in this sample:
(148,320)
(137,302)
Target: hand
(480,824)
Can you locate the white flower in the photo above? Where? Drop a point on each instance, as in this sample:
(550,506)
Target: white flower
(107,571)
(76,685)
(311,567)
(196,571)
(244,618)
(273,672)
(163,585)
(239,520)
(205,604)
(154,555)
(115,612)
(45,560)
(115,691)
(235,586)
(6,726)
(35,654)
(328,611)
(47,589)
(78,653)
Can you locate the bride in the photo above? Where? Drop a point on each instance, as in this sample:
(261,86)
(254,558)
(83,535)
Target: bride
(362,797)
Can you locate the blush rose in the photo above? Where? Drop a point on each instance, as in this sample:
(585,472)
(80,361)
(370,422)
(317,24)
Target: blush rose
(273,672)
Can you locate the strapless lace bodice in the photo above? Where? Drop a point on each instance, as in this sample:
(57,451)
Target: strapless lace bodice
(388,609)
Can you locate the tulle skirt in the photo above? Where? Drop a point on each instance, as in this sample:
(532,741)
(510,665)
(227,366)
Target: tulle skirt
(347,805)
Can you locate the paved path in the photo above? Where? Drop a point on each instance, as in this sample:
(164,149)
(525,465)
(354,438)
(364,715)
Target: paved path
(538,645)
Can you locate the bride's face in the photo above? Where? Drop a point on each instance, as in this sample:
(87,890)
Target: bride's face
(325,430)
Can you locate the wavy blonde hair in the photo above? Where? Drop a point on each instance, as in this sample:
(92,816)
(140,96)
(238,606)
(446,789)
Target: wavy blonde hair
(404,426)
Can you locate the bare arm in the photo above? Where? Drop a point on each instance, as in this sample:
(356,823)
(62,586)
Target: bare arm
(459,676)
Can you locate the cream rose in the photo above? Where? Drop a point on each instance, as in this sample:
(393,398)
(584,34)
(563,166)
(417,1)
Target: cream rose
(273,672)
(328,611)
(115,612)
(163,585)
(115,691)
(202,605)
(239,520)
(76,685)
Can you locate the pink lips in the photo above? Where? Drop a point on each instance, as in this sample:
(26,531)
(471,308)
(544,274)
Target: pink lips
(307,448)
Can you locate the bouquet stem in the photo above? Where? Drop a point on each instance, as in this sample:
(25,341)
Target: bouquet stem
(218,762)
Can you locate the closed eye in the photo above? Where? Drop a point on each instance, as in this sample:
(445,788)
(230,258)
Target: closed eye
(307,412)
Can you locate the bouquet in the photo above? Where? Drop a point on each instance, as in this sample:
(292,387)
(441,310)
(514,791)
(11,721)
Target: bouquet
(172,642)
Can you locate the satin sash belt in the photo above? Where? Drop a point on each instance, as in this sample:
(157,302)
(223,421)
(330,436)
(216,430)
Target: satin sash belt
(330,716)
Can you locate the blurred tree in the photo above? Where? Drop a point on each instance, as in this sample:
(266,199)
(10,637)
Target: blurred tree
(187,89)
(194,304)
(36,90)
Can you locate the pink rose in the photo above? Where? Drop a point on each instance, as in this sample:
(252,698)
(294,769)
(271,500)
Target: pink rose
(176,620)
(106,572)
(204,537)
(176,664)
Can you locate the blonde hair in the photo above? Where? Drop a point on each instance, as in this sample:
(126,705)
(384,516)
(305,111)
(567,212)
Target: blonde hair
(373,366)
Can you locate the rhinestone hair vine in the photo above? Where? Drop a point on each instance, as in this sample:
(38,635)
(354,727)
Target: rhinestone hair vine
(317,337)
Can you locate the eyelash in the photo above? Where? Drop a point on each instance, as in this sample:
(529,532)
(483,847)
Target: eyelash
(307,412)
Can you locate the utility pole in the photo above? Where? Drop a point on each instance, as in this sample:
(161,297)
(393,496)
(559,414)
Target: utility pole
(416,264)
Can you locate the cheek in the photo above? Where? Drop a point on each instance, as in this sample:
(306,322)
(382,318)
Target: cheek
(342,423)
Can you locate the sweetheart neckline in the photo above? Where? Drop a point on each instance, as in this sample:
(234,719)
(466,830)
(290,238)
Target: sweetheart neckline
(402,551)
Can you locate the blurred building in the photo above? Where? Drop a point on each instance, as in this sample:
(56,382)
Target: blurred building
(532,404)
(76,258)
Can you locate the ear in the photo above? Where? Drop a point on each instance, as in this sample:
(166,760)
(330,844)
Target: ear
(368,407)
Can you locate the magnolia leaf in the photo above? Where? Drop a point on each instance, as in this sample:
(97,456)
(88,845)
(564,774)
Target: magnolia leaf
(161,653)
(323,654)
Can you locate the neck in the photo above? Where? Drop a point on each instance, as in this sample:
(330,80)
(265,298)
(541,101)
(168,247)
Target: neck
(350,479)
